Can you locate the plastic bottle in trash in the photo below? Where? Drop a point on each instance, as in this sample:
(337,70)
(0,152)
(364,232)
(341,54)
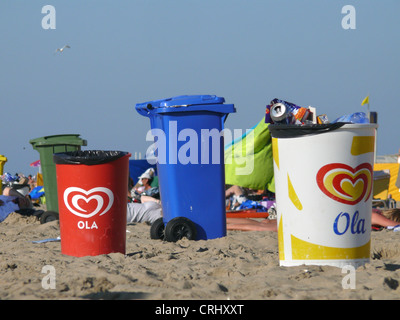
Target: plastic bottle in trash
(357,117)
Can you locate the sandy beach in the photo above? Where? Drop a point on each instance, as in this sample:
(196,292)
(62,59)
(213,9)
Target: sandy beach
(241,266)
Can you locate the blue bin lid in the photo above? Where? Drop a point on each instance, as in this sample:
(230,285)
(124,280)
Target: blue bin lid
(186,103)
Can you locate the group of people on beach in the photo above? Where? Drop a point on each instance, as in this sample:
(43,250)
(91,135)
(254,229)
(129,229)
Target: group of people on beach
(149,209)
(144,205)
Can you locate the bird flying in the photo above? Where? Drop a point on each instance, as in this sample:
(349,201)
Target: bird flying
(62,49)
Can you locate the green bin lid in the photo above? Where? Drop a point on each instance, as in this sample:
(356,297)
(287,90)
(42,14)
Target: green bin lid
(60,139)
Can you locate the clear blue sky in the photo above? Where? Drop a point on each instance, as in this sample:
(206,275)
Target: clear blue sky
(248,51)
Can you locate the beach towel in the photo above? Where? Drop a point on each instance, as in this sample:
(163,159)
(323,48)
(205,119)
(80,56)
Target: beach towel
(250,204)
(37,192)
(7,207)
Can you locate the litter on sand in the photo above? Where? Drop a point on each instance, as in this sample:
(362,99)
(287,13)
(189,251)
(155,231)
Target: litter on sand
(47,240)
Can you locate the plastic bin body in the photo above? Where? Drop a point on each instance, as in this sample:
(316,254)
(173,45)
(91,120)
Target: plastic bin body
(3,160)
(47,146)
(323,182)
(191,165)
(92,203)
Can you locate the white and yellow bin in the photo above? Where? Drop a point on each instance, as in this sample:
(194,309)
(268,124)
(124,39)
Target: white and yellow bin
(323,185)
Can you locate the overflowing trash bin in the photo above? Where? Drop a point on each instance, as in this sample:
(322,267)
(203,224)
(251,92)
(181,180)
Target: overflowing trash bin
(92,199)
(190,165)
(323,182)
(47,146)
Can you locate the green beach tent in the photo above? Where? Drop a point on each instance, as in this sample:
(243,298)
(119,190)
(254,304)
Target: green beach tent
(248,160)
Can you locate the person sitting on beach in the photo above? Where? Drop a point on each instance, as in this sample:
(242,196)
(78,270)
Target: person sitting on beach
(142,208)
(145,181)
(381,218)
(31,182)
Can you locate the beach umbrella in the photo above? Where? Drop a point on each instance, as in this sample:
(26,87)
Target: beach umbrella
(35,163)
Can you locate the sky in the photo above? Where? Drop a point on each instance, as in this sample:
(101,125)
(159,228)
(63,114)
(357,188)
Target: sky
(247,51)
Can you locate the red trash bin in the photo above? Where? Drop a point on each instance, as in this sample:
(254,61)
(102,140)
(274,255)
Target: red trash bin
(92,191)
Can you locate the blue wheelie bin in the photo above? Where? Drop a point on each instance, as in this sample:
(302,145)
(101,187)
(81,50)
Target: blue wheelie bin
(190,164)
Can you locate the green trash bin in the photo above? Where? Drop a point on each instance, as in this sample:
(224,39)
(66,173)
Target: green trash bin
(47,146)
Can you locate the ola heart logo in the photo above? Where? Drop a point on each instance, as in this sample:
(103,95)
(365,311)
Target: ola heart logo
(86,204)
(345,184)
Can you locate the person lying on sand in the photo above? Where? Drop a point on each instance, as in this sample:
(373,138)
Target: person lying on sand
(380,218)
(148,210)
(11,201)
(247,224)
(392,214)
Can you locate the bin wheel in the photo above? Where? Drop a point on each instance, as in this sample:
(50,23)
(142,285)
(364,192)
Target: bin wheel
(48,216)
(179,228)
(157,229)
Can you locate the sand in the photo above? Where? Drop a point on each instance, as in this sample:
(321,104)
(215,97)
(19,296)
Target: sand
(240,266)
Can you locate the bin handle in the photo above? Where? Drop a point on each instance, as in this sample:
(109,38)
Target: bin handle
(145,110)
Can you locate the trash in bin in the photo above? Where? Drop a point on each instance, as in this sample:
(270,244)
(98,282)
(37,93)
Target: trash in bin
(190,164)
(92,194)
(284,112)
(356,117)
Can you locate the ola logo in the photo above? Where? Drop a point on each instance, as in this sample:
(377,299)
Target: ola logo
(345,184)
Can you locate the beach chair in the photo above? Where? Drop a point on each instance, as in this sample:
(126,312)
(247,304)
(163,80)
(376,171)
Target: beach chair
(381,197)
